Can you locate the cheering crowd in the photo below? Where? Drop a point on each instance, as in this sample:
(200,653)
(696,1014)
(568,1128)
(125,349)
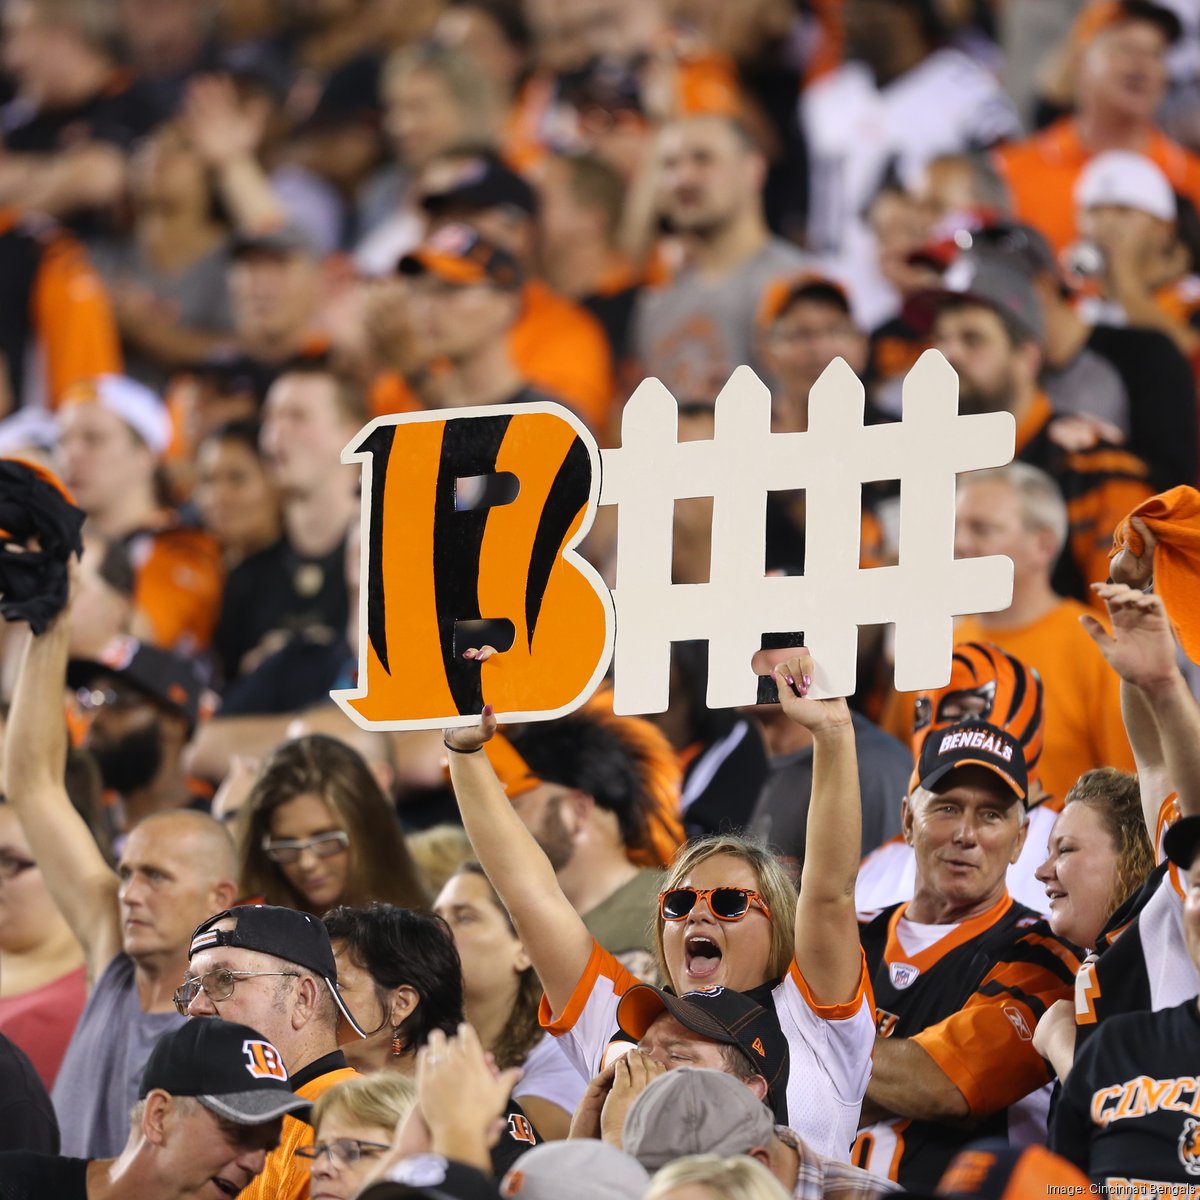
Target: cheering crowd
(944,943)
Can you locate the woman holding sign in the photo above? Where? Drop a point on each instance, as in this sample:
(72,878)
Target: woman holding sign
(728,918)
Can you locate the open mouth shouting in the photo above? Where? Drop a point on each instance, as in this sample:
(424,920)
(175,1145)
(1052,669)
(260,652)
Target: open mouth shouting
(701,956)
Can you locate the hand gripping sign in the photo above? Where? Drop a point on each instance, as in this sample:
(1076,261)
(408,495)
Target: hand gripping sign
(473,516)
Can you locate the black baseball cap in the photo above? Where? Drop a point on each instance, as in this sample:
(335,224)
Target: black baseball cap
(1182,842)
(164,676)
(721,1015)
(474,183)
(460,254)
(230,1068)
(971,743)
(432,1177)
(296,937)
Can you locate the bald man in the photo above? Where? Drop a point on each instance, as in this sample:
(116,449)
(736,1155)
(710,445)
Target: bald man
(134,925)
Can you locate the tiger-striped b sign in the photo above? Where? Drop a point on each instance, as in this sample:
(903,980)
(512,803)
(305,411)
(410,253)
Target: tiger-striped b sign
(473,515)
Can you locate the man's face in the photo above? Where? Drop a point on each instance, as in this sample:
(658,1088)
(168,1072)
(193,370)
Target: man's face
(206,1156)
(545,815)
(807,338)
(673,1045)
(707,177)
(99,457)
(988,521)
(976,344)
(264,1002)
(457,322)
(1125,68)
(167,882)
(125,735)
(1118,228)
(965,836)
(303,432)
(274,296)
(421,117)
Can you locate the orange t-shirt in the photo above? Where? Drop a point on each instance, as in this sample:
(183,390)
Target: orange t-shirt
(1041,173)
(286,1177)
(1083,693)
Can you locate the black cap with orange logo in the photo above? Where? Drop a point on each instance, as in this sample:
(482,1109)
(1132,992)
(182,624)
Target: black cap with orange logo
(460,254)
(971,744)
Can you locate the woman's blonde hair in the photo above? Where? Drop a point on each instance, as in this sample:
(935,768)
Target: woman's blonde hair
(774,885)
(383,1099)
(738,1178)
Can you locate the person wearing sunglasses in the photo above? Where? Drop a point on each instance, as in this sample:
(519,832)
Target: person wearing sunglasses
(728,917)
(353,1125)
(317,831)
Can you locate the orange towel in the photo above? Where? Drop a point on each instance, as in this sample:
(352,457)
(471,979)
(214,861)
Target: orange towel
(1174,519)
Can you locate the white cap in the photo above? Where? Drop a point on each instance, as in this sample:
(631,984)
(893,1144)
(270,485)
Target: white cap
(1127,179)
(133,402)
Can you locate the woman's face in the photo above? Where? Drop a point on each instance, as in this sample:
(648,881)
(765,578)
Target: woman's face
(333,1178)
(321,881)
(237,502)
(703,952)
(361,997)
(492,955)
(27,914)
(1079,874)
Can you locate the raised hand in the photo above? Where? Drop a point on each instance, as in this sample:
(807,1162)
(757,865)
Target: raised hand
(467,741)
(1141,647)
(793,680)
(1135,570)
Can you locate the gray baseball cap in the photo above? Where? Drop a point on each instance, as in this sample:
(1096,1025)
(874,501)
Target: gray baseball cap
(695,1111)
(985,279)
(597,1171)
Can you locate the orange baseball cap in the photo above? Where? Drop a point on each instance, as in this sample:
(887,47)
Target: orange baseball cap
(1105,14)
(459,254)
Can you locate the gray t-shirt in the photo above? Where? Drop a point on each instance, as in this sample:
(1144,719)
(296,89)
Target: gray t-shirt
(98,1081)
(695,330)
(780,817)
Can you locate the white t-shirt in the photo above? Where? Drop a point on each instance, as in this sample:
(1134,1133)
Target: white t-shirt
(549,1074)
(859,133)
(829,1046)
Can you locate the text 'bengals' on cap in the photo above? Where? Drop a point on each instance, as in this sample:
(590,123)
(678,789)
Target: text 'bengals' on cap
(971,744)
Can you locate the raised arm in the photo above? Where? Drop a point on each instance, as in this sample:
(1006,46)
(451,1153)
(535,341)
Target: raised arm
(555,937)
(80,881)
(1141,649)
(827,948)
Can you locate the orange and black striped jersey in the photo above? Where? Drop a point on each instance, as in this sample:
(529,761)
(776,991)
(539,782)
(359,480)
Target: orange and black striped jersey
(1100,485)
(971,1001)
(1129,1113)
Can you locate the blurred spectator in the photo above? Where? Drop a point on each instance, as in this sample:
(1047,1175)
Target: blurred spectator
(57,327)
(439,851)
(76,113)
(298,1011)
(142,705)
(353,1125)
(582,199)
(168,273)
(954,968)
(903,98)
(134,924)
(501,996)
(494,35)
(709,1177)
(989,325)
(298,583)
(316,831)
(1101,371)
(401,978)
(113,433)
(104,593)
(165,41)
(599,793)
(1122,81)
(694,330)
(1017,510)
(234,495)
(434,100)
(43,984)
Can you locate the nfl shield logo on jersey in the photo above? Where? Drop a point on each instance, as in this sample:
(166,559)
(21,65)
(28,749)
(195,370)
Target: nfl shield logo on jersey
(903,975)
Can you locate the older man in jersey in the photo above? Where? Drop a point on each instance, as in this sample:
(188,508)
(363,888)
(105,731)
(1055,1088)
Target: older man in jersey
(960,973)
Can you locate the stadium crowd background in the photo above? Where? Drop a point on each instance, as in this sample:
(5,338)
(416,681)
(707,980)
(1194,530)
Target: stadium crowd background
(231,232)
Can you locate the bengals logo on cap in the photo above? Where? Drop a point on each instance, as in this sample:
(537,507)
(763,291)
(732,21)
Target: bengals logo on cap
(263,1061)
(432,560)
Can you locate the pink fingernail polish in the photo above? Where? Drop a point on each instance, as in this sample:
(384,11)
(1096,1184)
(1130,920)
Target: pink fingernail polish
(791,681)
(807,681)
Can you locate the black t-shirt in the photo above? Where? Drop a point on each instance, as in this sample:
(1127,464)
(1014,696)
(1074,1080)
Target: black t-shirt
(27,1120)
(25,1176)
(1127,1113)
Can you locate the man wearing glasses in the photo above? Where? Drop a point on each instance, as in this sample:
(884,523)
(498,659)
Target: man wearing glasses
(209,1111)
(273,968)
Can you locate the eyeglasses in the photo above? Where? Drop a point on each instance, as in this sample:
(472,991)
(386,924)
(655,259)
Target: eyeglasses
(11,866)
(346,1151)
(91,699)
(725,903)
(217,985)
(288,850)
